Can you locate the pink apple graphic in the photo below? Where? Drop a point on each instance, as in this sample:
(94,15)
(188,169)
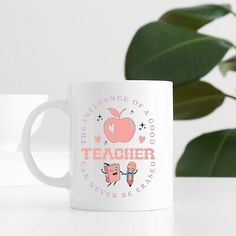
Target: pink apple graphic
(119,129)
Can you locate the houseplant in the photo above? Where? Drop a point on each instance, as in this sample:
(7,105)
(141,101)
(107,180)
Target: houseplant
(172,48)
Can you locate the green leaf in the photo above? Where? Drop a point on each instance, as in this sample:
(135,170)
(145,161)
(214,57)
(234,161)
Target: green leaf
(160,51)
(196,17)
(211,154)
(228,65)
(196,100)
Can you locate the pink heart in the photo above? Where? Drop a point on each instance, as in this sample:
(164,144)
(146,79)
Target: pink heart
(141,139)
(111,128)
(97,139)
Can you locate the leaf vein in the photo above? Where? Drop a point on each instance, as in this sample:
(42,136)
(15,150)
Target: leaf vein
(174,47)
(196,100)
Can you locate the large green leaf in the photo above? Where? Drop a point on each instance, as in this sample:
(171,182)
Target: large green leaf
(211,154)
(196,17)
(196,100)
(160,51)
(228,65)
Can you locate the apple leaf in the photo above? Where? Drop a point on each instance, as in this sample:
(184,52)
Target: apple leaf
(114,112)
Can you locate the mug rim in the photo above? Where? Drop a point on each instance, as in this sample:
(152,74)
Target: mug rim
(121,82)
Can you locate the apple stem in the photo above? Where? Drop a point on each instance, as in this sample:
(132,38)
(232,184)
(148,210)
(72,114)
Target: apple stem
(122,112)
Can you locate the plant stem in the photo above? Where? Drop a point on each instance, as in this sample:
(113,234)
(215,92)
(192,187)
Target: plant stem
(230,96)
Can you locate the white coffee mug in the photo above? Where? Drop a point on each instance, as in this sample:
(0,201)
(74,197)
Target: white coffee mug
(120,145)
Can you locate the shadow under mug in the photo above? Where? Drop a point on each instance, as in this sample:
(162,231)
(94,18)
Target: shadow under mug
(120,145)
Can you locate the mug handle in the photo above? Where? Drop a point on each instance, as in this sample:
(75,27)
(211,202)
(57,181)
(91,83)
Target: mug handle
(64,181)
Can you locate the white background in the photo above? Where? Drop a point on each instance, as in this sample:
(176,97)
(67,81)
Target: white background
(45,44)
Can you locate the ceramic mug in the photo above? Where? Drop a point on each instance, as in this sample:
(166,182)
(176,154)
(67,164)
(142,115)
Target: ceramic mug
(120,145)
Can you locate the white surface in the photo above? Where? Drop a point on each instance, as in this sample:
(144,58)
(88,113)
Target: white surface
(203,207)
(14,172)
(44,44)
